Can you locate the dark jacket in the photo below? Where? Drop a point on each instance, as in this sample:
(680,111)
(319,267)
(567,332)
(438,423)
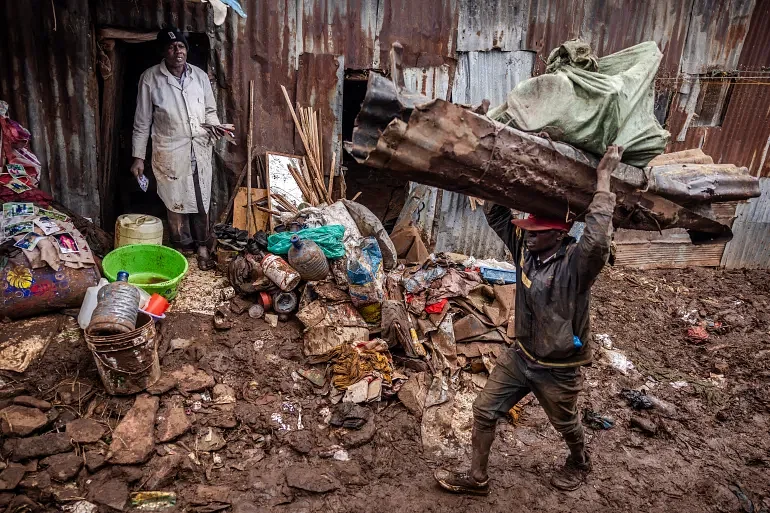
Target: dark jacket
(553,298)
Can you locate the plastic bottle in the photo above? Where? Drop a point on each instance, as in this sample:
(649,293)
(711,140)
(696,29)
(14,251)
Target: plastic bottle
(89,304)
(116,309)
(284,302)
(308,259)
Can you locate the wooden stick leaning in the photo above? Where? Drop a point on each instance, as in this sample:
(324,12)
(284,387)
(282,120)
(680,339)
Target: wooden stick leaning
(331,175)
(248,157)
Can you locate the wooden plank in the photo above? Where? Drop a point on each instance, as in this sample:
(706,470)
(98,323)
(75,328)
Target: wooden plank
(241,208)
(668,255)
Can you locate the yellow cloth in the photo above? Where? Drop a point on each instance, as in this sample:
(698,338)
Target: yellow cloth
(351,365)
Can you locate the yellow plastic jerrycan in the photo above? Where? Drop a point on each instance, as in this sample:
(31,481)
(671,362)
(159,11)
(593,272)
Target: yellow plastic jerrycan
(138,229)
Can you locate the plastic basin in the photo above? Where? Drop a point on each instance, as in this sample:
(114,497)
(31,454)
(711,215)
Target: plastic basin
(156,269)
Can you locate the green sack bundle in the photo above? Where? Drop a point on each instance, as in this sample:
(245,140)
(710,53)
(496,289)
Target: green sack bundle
(329,238)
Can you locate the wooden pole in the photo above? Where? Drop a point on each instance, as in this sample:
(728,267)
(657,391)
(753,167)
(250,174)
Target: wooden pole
(248,156)
(331,175)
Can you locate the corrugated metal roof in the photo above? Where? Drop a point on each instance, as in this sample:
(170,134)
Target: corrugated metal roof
(152,14)
(425,29)
(491,24)
(465,231)
(47,76)
(756,47)
(750,247)
(490,75)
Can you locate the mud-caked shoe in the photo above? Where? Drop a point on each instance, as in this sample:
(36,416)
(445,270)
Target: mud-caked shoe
(572,474)
(461,482)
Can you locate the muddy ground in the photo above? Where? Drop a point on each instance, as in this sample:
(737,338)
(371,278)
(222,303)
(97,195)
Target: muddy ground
(711,451)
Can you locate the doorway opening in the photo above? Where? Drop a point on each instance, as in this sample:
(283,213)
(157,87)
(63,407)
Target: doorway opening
(124,194)
(382,193)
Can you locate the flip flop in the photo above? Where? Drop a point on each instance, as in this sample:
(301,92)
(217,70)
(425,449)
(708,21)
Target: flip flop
(206,264)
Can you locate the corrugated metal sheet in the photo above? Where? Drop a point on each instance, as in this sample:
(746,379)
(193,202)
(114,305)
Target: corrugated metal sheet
(750,247)
(490,75)
(153,14)
(47,76)
(742,139)
(432,81)
(716,34)
(459,229)
(425,29)
(755,54)
(491,24)
(609,26)
(319,84)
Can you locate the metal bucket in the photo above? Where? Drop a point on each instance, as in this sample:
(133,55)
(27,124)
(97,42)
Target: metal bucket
(127,363)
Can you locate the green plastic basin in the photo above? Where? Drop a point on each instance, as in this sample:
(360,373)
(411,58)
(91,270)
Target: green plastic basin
(150,267)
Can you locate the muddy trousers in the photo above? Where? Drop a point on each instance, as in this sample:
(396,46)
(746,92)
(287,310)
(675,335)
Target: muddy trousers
(556,389)
(190,231)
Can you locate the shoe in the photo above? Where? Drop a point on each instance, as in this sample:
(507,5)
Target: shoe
(461,482)
(571,475)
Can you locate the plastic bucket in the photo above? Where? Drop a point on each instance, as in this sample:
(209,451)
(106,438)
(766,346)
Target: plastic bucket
(127,363)
(155,269)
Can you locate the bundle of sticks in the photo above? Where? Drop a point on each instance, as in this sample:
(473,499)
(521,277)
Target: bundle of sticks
(310,175)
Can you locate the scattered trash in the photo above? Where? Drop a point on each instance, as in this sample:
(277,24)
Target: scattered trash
(619,361)
(679,384)
(272,320)
(308,259)
(256,311)
(152,501)
(80,507)
(280,272)
(697,334)
(315,376)
(595,420)
(603,340)
(637,399)
(644,425)
(350,415)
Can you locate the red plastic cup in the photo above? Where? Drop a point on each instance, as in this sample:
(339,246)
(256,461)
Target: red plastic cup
(157,305)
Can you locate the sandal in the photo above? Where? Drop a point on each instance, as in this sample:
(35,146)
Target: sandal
(461,482)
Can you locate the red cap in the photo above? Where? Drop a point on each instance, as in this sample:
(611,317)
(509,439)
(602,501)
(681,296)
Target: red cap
(539,224)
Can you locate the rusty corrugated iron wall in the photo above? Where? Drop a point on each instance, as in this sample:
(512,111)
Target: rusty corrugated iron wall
(47,62)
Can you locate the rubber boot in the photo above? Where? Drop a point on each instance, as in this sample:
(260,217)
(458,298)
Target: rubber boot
(575,469)
(476,480)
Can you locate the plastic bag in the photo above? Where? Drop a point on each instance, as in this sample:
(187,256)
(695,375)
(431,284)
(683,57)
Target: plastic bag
(329,238)
(592,108)
(365,279)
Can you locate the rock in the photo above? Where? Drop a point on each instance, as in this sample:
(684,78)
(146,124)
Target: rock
(94,460)
(163,385)
(312,479)
(6,498)
(412,394)
(62,418)
(205,494)
(172,423)
(38,446)
(81,507)
(350,438)
(73,393)
(301,441)
(243,506)
(11,476)
(129,474)
(721,367)
(191,379)
(32,402)
(222,420)
(37,481)
(162,470)
(112,493)
(223,394)
(16,420)
(63,467)
(179,344)
(209,440)
(86,431)
(133,439)
(646,426)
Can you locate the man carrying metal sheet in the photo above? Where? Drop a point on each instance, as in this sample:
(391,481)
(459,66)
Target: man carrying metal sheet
(554,278)
(174,100)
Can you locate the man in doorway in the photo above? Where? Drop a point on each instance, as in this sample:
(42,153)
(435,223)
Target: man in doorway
(174,99)
(554,275)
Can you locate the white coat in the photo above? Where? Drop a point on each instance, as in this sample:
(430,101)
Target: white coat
(175,113)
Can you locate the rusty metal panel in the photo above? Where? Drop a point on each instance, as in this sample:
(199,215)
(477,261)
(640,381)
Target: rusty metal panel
(425,29)
(152,15)
(756,47)
(491,24)
(750,247)
(490,75)
(716,34)
(667,255)
(431,81)
(609,26)
(744,136)
(466,231)
(341,27)
(319,84)
(47,76)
